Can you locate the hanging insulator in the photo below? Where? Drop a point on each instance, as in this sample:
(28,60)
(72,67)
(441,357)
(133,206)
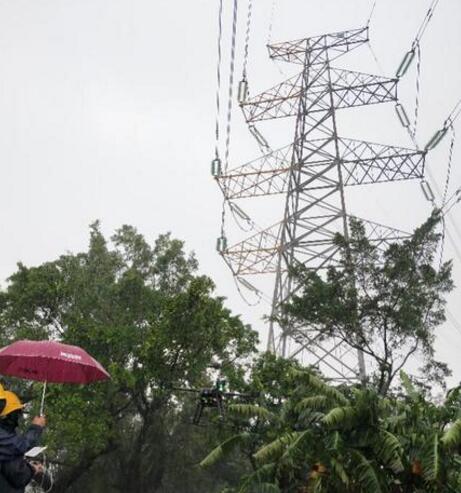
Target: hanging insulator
(243,91)
(216,167)
(258,136)
(427,191)
(437,137)
(406,62)
(402,115)
(248,285)
(221,244)
(241,213)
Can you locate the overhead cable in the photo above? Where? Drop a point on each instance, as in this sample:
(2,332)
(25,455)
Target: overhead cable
(247,38)
(371,13)
(450,162)
(218,85)
(418,90)
(243,84)
(231,84)
(425,23)
(410,55)
(271,22)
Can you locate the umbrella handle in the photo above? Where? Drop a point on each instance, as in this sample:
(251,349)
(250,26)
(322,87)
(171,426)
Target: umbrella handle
(42,404)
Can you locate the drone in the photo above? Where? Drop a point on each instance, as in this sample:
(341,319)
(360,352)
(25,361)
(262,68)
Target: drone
(214,397)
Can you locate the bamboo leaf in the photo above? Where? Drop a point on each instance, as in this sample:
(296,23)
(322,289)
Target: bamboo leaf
(339,470)
(315,403)
(314,382)
(276,448)
(408,386)
(224,449)
(250,411)
(262,477)
(341,417)
(431,460)
(452,437)
(365,473)
(389,450)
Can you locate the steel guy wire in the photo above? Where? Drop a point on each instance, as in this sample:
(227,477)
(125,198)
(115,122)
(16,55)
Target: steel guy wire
(453,320)
(375,58)
(271,22)
(418,89)
(371,13)
(442,241)
(247,39)
(218,76)
(454,199)
(223,218)
(450,162)
(409,56)
(454,114)
(425,23)
(231,84)
(456,249)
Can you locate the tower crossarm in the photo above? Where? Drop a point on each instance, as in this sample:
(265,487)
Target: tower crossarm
(257,254)
(366,162)
(266,175)
(347,88)
(314,242)
(362,163)
(382,235)
(319,48)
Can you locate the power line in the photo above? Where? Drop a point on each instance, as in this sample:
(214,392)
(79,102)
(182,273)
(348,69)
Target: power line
(271,22)
(410,55)
(231,83)
(371,13)
(218,76)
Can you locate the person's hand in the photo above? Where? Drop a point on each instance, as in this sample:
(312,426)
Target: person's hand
(39,421)
(38,468)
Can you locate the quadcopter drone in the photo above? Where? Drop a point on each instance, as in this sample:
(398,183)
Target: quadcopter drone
(214,397)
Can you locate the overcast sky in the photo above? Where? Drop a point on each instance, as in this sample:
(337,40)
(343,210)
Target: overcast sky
(107,112)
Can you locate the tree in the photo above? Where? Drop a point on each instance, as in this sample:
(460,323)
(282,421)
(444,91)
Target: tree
(153,322)
(351,440)
(386,303)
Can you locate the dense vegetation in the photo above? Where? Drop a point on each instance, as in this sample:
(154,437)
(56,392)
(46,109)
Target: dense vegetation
(155,324)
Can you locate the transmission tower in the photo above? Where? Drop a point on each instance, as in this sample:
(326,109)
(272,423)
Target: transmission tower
(313,173)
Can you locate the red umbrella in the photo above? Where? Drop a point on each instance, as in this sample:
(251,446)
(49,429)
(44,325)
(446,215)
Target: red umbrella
(50,361)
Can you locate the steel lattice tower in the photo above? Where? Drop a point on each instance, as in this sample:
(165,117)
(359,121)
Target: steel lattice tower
(313,172)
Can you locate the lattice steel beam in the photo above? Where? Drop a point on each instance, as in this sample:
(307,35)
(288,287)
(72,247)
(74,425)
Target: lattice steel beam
(362,162)
(335,44)
(347,88)
(258,253)
(313,173)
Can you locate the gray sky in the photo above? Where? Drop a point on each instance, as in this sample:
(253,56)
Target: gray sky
(107,112)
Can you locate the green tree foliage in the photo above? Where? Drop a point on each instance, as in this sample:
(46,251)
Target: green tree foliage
(352,440)
(387,303)
(154,323)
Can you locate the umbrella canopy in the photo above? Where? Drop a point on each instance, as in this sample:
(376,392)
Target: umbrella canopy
(50,361)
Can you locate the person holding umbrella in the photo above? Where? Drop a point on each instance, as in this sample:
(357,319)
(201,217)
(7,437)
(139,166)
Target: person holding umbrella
(16,472)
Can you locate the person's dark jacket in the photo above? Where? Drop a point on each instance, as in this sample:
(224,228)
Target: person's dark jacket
(15,475)
(15,471)
(13,445)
